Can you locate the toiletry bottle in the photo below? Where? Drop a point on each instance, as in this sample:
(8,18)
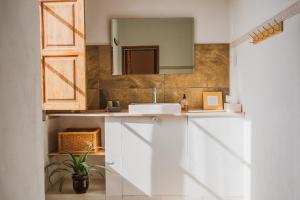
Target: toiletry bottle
(184,103)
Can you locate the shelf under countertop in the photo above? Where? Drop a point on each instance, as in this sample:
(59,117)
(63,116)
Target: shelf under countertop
(101,152)
(125,113)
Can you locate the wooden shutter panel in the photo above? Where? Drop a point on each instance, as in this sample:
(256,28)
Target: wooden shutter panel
(63,54)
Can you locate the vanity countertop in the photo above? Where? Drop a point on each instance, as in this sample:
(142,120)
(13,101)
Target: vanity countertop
(125,113)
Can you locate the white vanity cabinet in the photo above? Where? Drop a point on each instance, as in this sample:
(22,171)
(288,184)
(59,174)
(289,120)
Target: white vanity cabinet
(176,158)
(154,156)
(113,158)
(148,156)
(219,158)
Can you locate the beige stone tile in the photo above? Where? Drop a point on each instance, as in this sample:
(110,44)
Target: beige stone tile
(174,95)
(92,62)
(145,81)
(93,83)
(93,99)
(185,80)
(212,61)
(194,96)
(114,82)
(109,82)
(114,94)
(211,74)
(105,59)
(138,95)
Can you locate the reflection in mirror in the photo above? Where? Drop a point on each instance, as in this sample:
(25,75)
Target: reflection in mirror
(152,46)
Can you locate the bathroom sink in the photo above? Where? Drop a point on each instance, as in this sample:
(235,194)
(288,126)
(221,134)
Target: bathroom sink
(154,108)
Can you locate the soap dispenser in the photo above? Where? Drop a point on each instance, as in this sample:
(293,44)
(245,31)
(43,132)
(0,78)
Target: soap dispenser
(184,103)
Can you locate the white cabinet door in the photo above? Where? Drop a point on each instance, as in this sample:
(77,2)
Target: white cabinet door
(113,158)
(219,158)
(154,157)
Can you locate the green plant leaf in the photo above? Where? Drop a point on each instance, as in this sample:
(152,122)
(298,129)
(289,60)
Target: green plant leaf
(86,167)
(73,158)
(70,166)
(102,167)
(68,160)
(68,163)
(84,156)
(58,170)
(62,180)
(51,164)
(101,173)
(99,169)
(74,165)
(77,160)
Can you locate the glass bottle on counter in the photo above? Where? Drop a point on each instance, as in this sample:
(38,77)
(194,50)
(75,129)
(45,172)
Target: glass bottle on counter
(184,103)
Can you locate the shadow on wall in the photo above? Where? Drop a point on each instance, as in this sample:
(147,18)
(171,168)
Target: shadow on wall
(205,163)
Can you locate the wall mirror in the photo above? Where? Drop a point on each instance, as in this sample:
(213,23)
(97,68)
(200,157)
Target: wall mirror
(152,45)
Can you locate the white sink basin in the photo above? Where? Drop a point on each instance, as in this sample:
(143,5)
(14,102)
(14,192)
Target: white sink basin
(154,108)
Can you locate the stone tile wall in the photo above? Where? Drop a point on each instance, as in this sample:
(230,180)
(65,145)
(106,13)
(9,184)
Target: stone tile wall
(211,73)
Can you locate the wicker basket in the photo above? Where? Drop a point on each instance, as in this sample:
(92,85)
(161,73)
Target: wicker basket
(77,140)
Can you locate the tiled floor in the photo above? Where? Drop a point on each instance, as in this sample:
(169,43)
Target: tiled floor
(96,192)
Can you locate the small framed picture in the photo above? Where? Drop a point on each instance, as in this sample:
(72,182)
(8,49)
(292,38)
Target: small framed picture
(212,101)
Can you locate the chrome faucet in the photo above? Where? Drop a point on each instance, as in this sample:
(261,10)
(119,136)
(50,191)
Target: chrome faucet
(153,95)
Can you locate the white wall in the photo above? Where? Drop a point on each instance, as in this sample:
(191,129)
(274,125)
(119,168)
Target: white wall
(211,16)
(21,138)
(265,78)
(247,14)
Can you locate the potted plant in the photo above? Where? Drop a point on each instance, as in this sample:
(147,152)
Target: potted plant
(77,167)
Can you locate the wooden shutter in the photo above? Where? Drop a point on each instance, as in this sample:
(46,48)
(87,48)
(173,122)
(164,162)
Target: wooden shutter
(63,54)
